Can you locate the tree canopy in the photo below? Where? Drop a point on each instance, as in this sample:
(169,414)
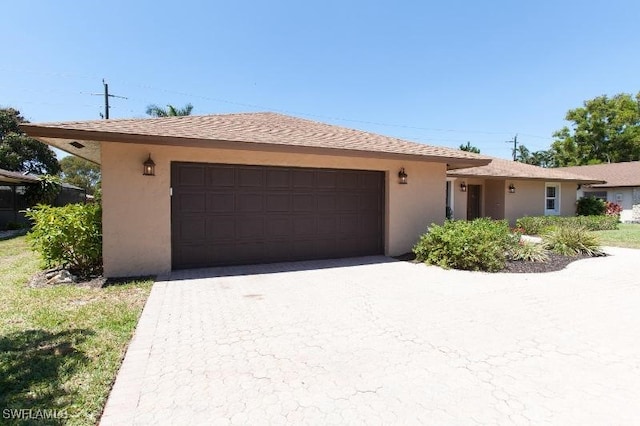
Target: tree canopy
(603,130)
(469,148)
(80,172)
(170,111)
(21,153)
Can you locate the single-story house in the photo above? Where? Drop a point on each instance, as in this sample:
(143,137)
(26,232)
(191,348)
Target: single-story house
(622,186)
(506,189)
(199,191)
(13,186)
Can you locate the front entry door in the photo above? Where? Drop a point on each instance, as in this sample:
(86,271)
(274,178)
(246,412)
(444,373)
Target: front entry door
(474,196)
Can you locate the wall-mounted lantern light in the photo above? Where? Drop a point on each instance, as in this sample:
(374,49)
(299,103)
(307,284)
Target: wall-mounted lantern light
(512,188)
(402,176)
(463,187)
(149,167)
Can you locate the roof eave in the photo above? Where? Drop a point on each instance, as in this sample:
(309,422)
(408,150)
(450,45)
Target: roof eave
(45,134)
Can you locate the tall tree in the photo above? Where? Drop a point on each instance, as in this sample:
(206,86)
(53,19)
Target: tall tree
(21,153)
(603,130)
(469,148)
(80,172)
(170,111)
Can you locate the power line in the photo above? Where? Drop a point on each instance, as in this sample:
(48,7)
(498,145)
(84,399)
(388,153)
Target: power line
(515,146)
(107,95)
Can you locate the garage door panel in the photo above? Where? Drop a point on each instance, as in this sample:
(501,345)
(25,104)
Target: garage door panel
(278,226)
(304,203)
(327,179)
(221,177)
(278,179)
(327,225)
(192,203)
(250,227)
(193,255)
(221,202)
(252,202)
(250,177)
(255,214)
(193,228)
(303,179)
(192,175)
(278,202)
(348,201)
(221,228)
(304,226)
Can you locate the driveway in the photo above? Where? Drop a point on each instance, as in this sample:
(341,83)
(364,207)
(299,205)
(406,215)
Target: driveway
(378,341)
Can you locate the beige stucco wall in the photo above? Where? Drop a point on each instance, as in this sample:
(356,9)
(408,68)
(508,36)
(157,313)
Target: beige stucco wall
(620,195)
(529,199)
(137,208)
(499,203)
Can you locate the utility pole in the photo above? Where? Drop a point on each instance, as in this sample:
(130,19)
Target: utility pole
(107,95)
(515,146)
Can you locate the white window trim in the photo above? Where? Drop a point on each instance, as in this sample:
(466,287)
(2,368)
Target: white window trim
(556,211)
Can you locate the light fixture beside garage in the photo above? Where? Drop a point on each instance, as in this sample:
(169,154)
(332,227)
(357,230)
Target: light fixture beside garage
(149,167)
(402,176)
(463,187)
(512,188)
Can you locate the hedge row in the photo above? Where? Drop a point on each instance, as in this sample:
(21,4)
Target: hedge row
(536,225)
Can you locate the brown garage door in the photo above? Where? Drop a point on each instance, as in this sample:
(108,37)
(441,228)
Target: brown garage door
(225,214)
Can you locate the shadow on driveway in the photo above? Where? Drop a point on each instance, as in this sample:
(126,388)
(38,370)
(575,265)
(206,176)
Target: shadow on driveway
(271,268)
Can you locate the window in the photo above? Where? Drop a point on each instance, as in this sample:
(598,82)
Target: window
(552,199)
(602,195)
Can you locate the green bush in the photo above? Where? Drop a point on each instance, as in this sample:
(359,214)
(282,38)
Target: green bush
(590,206)
(529,252)
(537,225)
(571,241)
(479,245)
(69,236)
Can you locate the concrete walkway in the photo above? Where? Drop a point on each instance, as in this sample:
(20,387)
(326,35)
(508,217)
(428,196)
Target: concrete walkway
(376,341)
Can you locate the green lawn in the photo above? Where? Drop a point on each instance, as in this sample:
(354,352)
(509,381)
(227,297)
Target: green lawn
(60,347)
(627,235)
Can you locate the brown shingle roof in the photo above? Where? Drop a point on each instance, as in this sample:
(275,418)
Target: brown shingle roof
(500,168)
(255,128)
(16,177)
(615,174)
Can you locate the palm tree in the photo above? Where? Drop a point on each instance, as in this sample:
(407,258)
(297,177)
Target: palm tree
(171,111)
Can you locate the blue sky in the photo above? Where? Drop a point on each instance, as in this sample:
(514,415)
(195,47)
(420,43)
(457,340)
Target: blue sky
(441,73)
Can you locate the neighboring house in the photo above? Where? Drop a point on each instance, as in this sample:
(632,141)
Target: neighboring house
(506,189)
(622,186)
(254,188)
(12,197)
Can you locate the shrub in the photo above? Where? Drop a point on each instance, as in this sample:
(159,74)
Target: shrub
(537,225)
(590,206)
(612,209)
(571,241)
(529,252)
(69,236)
(479,245)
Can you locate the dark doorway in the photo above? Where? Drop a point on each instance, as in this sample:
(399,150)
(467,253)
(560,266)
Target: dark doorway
(474,204)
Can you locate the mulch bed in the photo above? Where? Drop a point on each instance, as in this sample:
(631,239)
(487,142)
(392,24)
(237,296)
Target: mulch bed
(556,262)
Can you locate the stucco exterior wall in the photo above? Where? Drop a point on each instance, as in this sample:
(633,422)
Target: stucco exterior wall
(529,199)
(620,195)
(137,208)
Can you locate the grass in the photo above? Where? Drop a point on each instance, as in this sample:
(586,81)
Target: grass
(627,235)
(60,347)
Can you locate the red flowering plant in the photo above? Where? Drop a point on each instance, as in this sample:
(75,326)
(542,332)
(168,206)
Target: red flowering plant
(613,209)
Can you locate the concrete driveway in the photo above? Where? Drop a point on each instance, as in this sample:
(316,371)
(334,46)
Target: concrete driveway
(377,341)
